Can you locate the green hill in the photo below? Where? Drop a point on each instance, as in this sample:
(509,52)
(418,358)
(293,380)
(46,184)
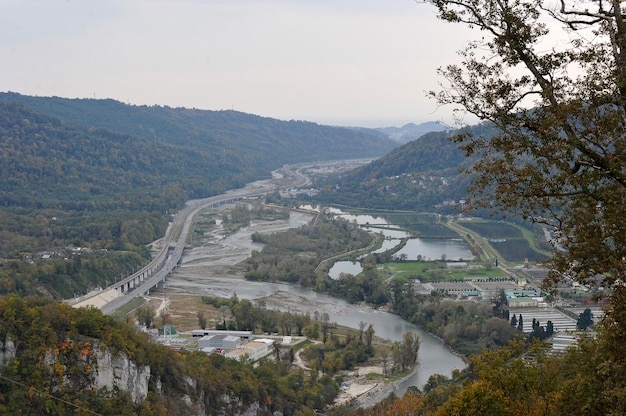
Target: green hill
(239,140)
(420,175)
(48,163)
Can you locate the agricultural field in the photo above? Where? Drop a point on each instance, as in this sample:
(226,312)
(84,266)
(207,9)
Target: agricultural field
(437,271)
(493,229)
(512,242)
(517,250)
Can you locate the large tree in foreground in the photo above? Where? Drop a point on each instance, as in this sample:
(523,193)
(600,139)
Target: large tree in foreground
(551,77)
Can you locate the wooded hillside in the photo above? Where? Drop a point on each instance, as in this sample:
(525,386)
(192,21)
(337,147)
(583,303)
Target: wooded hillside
(419,175)
(54,366)
(104,175)
(238,140)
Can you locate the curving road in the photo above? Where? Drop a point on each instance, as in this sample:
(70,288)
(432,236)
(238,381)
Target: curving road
(155,272)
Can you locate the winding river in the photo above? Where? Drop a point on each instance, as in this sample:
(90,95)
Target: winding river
(434,356)
(211,270)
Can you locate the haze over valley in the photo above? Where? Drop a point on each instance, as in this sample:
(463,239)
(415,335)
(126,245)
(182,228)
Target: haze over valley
(312,208)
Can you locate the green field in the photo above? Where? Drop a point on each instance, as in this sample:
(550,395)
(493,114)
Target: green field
(435,271)
(512,242)
(517,250)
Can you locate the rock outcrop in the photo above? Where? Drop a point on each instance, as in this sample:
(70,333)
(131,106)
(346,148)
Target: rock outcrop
(118,371)
(7,350)
(86,364)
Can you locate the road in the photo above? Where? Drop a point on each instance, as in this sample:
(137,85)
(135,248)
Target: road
(168,258)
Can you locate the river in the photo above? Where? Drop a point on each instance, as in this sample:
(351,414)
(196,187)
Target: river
(212,270)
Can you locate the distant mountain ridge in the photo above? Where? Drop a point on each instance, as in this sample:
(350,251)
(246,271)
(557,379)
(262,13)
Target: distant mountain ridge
(227,134)
(411,131)
(214,150)
(104,175)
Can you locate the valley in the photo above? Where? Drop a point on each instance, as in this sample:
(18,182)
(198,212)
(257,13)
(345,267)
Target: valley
(461,284)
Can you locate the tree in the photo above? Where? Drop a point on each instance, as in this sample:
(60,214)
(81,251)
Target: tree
(202,320)
(395,290)
(479,398)
(408,349)
(245,315)
(224,312)
(325,326)
(361,330)
(369,337)
(549,329)
(384,359)
(146,315)
(585,320)
(554,144)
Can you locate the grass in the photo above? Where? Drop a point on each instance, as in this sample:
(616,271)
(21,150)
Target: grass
(129,308)
(428,271)
(530,237)
(184,312)
(302,345)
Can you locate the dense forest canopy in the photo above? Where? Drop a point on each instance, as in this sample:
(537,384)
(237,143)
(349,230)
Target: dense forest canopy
(51,164)
(239,139)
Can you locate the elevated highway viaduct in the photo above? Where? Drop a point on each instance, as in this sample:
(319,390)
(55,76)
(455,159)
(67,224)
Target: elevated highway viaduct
(167,259)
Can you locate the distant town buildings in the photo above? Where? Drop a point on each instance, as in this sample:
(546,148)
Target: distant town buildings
(238,345)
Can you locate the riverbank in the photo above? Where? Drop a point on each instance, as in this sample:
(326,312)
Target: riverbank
(361,391)
(213,268)
(363,386)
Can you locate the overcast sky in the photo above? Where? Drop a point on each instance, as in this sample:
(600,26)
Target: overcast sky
(341,62)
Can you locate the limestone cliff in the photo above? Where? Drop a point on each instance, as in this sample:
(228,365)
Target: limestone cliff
(118,371)
(89,364)
(7,350)
(55,359)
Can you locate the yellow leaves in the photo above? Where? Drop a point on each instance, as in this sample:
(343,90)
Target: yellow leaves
(477,398)
(59,370)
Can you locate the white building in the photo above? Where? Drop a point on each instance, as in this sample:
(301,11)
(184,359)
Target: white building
(221,341)
(253,350)
(204,332)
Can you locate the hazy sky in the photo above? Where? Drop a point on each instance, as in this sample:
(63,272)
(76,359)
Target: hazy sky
(343,62)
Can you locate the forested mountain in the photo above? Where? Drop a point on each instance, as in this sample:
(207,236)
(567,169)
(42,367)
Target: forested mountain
(103,175)
(48,163)
(420,175)
(411,131)
(239,140)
